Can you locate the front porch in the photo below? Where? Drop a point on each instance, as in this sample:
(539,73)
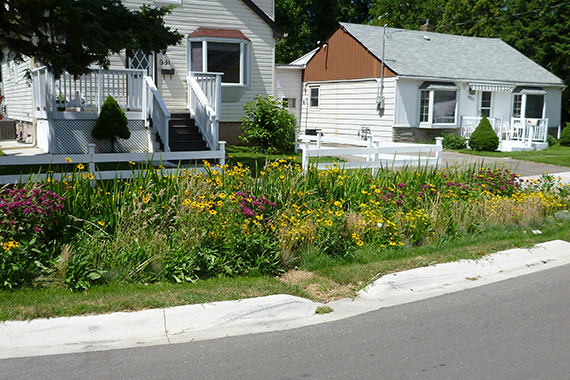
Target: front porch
(516,134)
(66,109)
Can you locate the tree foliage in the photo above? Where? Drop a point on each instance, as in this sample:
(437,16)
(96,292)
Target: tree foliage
(310,21)
(540,29)
(112,123)
(268,126)
(71,35)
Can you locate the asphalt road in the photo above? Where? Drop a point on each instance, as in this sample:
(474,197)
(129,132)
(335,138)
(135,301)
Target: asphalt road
(513,329)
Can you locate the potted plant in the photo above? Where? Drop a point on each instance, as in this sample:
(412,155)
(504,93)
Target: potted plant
(60,102)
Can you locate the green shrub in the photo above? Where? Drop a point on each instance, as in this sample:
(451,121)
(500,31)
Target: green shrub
(551,140)
(268,126)
(454,142)
(565,136)
(484,137)
(112,123)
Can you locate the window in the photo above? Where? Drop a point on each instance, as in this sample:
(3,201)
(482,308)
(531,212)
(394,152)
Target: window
(438,103)
(517,106)
(528,102)
(314,101)
(485,109)
(230,57)
(289,103)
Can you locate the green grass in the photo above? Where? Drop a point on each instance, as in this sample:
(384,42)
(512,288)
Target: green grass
(371,262)
(27,304)
(555,155)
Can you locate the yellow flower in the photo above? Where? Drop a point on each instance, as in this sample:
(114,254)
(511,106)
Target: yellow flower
(80,166)
(132,163)
(11,244)
(90,176)
(145,199)
(186,202)
(67,159)
(212,212)
(101,223)
(328,223)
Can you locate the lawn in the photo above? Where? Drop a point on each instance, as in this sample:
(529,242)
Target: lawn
(555,155)
(163,240)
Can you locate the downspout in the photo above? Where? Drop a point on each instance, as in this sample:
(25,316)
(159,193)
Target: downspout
(34,120)
(380,98)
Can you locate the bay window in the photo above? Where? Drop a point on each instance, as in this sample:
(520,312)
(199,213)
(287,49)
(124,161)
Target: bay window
(528,102)
(221,51)
(438,104)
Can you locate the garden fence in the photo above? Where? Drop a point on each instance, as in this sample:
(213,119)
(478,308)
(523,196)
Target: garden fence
(387,155)
(91,158)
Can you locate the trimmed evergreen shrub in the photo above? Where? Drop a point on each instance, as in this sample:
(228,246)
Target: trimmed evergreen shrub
(565,136)
(484,137)
(454,142)
(268,126)
(112,123)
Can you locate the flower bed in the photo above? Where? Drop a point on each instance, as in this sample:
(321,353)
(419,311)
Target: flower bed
(226,222)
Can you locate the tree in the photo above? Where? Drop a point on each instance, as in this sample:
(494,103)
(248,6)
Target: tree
(484,137)
(269,126)
(112,123)
(309,21)
(71,35)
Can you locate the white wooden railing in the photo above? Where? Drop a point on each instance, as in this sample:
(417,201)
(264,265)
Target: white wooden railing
(528,130)
(469,123)
(91,158)
(387,155)
(86,93)
(156,109)
(204,103)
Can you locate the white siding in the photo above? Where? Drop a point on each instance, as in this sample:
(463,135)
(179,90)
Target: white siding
(288,84)
(217,14)
(553,100)
(407,111)
(17,90)
(347,106)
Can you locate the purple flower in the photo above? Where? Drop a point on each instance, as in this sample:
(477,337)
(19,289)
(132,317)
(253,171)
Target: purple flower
(401,185)
(37,229)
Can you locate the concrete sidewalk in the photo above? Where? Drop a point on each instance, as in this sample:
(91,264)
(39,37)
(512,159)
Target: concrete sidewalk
(264,314)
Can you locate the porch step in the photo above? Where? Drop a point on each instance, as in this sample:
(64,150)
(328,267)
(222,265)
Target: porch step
(184,134)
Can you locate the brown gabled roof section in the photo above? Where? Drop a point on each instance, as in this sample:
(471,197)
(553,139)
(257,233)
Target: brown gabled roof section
(277,31)
(219,33)
(342,57)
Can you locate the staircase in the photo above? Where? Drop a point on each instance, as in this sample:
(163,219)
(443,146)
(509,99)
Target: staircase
(184,134)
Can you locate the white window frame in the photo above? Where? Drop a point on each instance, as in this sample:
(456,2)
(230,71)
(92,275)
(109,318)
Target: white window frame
(490,107)
(523,93)
(289,103)
(168,1)
(448,87)
(318,97)
(245,57)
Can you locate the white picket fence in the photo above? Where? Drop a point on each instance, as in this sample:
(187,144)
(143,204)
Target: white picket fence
(386,155)
(91,158)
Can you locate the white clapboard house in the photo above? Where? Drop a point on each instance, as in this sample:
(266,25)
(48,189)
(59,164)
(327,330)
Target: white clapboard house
(188,97)
(413,85)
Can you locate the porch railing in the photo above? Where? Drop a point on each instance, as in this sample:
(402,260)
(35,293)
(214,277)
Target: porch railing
(528,130)
(204,103)
(156,109)
(469,123)
(87,92)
